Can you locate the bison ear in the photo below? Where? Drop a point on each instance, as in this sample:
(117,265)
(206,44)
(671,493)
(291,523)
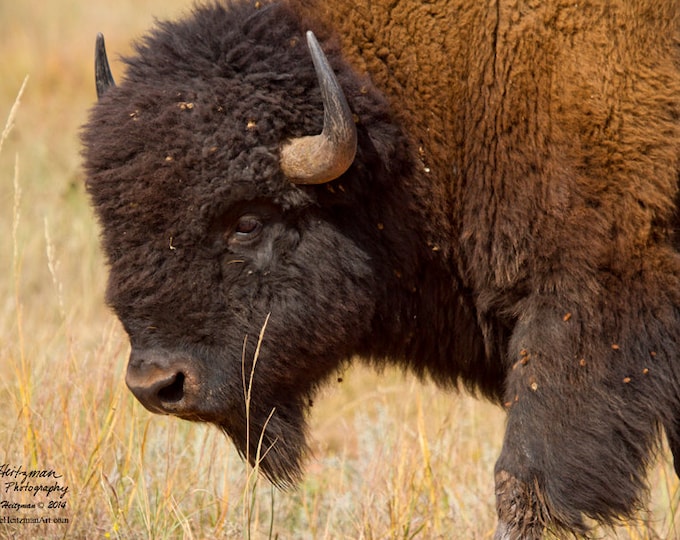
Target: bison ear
(321,158)
(102,72)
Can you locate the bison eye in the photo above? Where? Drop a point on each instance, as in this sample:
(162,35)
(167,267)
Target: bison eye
(247,228)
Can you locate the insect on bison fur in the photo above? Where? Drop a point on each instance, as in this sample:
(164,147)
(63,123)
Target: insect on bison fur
(484,193)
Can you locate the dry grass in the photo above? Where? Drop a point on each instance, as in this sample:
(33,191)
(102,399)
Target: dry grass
(393,458)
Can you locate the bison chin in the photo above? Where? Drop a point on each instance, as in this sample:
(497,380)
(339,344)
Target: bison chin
(273,441)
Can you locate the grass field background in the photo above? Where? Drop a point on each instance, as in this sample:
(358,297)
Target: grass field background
(393,457)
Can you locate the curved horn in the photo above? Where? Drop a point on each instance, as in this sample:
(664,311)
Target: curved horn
(102,72)
(321,158)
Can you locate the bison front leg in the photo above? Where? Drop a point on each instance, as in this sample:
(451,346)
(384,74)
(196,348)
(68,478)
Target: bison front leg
(590,380)
(521,514)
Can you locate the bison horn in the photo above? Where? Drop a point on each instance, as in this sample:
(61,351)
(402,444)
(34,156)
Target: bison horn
(321,158)
(102,72)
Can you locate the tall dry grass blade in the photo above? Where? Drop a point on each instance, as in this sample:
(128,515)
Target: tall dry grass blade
(427,460)
(93,470)
(52,265)
(22,369)
(250,495)
(250,490)
(248,387)
(9,124)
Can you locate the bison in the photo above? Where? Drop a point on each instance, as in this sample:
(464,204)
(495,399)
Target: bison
(484,193)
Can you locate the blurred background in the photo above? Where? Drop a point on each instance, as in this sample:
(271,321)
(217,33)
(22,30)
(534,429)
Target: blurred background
(393,457)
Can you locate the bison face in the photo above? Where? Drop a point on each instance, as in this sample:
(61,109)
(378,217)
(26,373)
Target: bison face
(240,285)
(240,334)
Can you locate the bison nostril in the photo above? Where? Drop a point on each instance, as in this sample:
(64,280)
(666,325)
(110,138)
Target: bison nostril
(173,392)
(162,383)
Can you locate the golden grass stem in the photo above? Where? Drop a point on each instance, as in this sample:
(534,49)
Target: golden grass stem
(9,124)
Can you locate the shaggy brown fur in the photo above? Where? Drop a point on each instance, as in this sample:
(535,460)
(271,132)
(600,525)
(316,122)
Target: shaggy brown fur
(507,224)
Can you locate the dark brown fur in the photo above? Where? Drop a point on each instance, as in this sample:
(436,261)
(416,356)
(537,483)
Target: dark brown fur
(507,224)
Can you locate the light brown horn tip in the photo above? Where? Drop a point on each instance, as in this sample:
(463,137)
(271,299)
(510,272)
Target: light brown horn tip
(318,159)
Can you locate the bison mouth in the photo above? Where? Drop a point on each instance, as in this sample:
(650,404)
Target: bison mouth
(273,441)
(268,432)
(270,437)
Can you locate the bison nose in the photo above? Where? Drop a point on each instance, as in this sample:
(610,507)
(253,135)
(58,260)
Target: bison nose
(161,383)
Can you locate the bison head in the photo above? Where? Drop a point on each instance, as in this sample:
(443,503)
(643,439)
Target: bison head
(246,221)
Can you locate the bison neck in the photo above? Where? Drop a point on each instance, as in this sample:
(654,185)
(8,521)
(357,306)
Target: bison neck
(429,325)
